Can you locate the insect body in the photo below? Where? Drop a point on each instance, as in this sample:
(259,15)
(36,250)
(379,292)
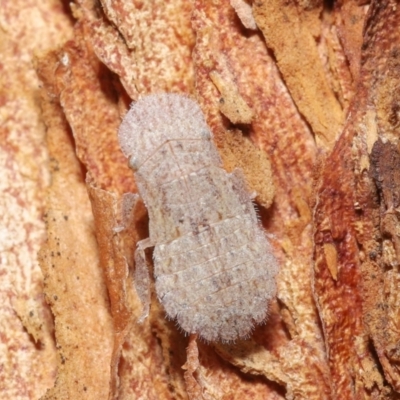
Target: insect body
(213,266)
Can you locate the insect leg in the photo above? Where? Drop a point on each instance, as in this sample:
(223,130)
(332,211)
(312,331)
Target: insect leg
(142,277)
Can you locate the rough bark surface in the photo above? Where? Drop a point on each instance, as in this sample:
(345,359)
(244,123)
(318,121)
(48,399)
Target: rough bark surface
(303,96)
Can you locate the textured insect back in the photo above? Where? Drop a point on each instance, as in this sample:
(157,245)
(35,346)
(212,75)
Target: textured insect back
(213,265)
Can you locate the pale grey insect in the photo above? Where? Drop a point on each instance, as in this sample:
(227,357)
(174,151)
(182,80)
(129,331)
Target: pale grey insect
(213,265)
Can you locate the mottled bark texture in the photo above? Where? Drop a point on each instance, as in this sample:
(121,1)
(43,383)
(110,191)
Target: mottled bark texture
(302,95)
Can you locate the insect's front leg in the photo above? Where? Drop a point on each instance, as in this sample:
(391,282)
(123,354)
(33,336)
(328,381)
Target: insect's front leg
(142,277)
